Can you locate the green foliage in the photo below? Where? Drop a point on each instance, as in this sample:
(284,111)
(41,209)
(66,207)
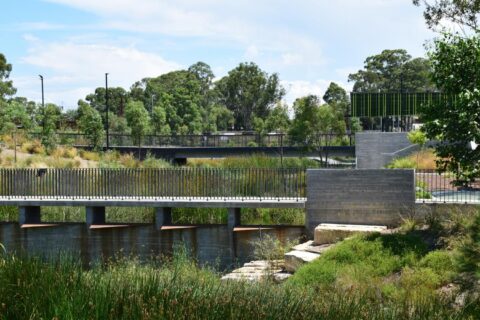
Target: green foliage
(249,92)
(14,114)
(6,86)
(392,71)
(50,116)
(117,100)
(456,72)
(271,248)
(31,288)
(417,137)
(469,259)
(90,123)
(138,120)
(179,93)
(159,121)
(463,13)
(442,263)
(361,261)
(402,163)
(315,125)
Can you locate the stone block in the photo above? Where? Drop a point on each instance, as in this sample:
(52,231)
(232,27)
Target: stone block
(295,259)
(327,233)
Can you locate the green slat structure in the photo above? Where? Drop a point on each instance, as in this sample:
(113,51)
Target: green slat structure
(391,104)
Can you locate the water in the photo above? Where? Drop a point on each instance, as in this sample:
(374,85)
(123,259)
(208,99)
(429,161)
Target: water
(209,244)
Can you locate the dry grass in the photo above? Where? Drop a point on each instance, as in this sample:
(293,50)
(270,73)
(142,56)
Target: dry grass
(424,159)
(89,155)
(33,147)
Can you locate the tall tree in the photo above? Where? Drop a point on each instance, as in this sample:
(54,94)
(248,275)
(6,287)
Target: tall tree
(117,100)
(50,120)
(90,123)
(179,93)
(6,86)
(14,114)
(462,12)
(393,70)
(249,92)
(159,121)
(456,121)
(138,120)
(314,125)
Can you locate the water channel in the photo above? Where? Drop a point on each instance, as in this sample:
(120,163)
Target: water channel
(209,244)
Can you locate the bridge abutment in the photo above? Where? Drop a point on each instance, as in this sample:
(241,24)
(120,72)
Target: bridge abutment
(95,215)
(29,215)
(163,217)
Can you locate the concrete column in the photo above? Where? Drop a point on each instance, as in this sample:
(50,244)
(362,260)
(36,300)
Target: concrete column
(163,217)
(233,221)
(29,215)
(95,215)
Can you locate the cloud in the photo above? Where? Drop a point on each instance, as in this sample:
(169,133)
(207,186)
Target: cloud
(76,68)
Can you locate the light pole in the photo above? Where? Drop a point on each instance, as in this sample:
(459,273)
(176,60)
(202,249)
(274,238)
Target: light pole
(43,103)
(106,107)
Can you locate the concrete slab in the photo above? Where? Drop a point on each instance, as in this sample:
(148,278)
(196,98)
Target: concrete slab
(296,258)
(327,233)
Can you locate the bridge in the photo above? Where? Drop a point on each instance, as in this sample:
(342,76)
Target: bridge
(97,188)
(181,147)
(374,196)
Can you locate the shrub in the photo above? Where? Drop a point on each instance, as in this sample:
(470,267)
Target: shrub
(89,155)
(441,263)
(33,147)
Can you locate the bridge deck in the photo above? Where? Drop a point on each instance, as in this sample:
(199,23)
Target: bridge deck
(172,202)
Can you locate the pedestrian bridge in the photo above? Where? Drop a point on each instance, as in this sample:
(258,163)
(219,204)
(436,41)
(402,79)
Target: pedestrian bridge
(97,188)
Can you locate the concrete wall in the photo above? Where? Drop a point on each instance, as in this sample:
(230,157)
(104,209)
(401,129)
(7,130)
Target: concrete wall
(373,197)
(374,150)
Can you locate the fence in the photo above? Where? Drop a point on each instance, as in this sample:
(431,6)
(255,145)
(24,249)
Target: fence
(153,183)
(432,187)
(207,140)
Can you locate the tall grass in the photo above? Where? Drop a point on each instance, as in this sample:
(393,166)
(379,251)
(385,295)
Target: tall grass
(60,289)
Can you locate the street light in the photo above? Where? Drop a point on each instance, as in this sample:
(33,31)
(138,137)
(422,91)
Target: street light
(43,102)
(106,106)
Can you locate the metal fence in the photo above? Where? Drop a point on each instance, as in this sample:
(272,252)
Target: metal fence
(206,140)
(153,183)
(432,187)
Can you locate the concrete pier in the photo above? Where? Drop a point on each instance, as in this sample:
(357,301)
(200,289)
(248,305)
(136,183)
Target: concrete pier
(163,217)
(95,215)
(29,215)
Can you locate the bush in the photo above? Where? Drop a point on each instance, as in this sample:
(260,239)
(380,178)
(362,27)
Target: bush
(360,261)
(89,155)
(33,147)
(441,263)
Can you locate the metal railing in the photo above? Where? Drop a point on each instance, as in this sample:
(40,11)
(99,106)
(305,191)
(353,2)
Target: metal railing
(432,187)
(172,183)
(204,140)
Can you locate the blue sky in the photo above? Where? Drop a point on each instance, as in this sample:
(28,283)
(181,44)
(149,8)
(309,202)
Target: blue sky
(72,43)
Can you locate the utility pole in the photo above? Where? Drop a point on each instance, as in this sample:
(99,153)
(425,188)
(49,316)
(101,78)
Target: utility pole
(43,103)
(106,108)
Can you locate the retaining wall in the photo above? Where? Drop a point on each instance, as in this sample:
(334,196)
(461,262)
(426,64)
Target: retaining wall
(373,197)
(375,150)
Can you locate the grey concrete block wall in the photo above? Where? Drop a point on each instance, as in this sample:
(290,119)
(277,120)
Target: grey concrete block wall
(372,197)
(375,150)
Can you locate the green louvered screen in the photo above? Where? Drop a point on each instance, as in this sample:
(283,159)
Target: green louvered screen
(390,104)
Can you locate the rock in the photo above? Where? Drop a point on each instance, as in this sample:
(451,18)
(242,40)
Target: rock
(255,271)
(296,258)
(280,277)
(309,246)
(327,233)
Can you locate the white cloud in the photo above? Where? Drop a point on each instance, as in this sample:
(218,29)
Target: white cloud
(74,69)
(300,88)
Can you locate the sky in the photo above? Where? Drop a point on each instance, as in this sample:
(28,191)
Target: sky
(309,43)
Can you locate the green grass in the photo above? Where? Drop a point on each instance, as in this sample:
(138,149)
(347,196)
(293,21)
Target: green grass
(31,288)
(361,261)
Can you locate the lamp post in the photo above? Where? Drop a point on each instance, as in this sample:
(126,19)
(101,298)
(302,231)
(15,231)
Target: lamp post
(43,102)
(106,108)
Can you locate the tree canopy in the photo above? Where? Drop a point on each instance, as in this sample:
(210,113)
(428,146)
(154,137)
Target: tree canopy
(456,120)
(462,12)
(249,92)
(393,70)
